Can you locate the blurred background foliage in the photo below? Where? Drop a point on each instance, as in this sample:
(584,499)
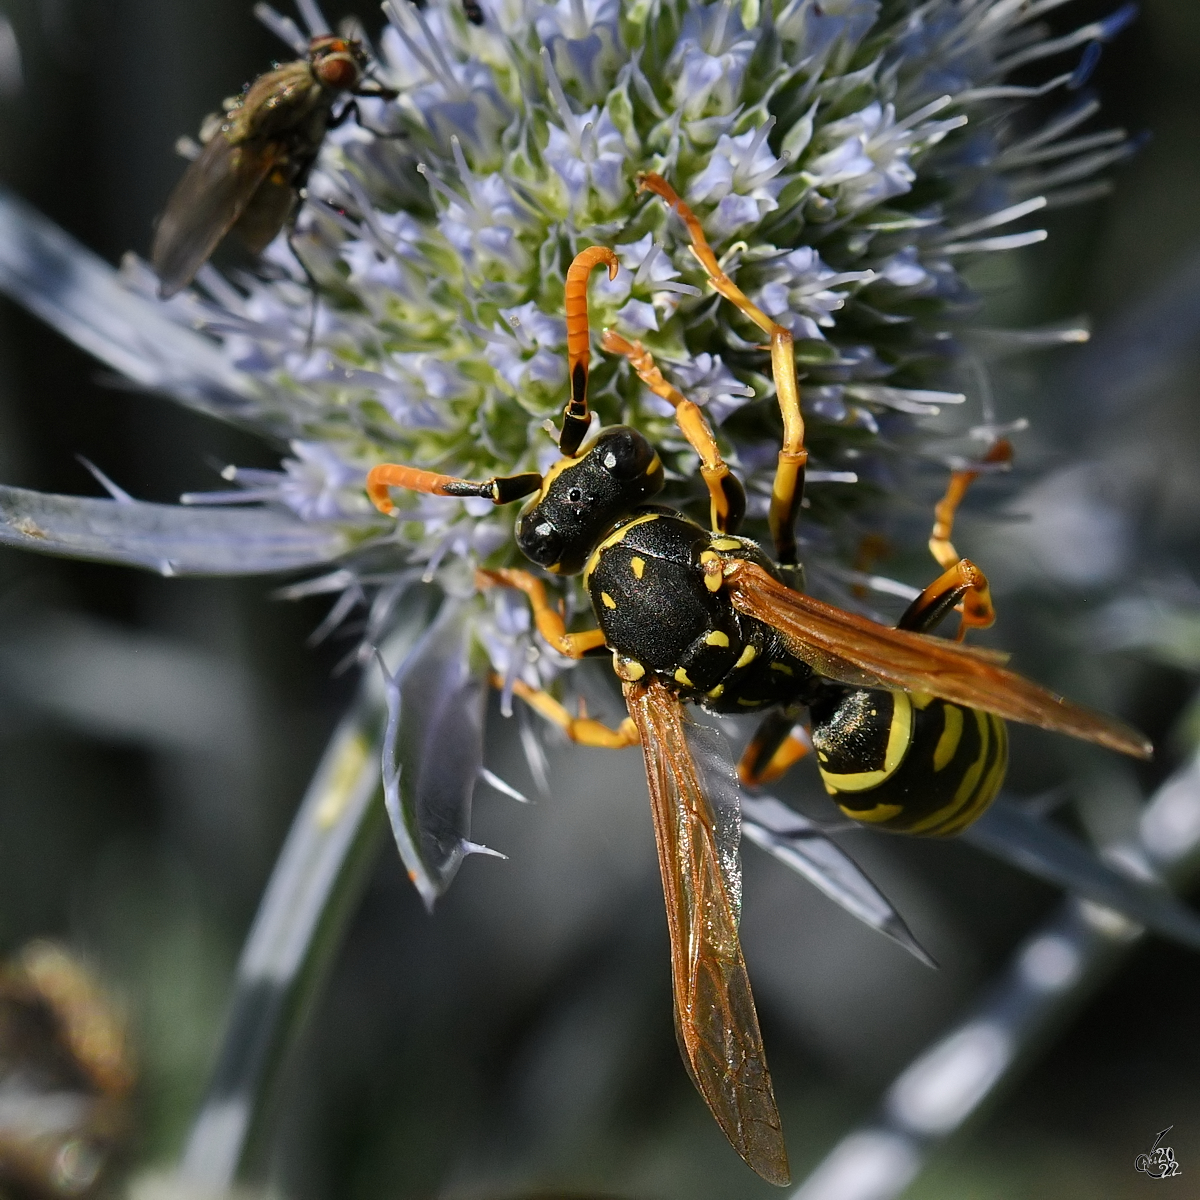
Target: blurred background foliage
(156,735)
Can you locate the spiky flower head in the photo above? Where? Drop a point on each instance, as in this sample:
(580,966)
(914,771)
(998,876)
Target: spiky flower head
(846,158)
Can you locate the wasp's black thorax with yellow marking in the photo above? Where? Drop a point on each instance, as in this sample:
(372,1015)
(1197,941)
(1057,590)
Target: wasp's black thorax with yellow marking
(910,763)
(648,587)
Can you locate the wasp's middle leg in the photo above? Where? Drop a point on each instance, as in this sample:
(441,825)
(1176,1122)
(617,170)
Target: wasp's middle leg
(777,745)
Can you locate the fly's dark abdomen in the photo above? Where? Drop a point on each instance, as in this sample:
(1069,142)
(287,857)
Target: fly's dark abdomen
(907,762)
(647,585)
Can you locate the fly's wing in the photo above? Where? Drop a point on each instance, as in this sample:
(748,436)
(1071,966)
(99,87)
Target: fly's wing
(213,193)
(267,212)
(854,650)
(714,1009)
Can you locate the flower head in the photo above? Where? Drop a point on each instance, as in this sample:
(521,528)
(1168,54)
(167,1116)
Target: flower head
(845,159)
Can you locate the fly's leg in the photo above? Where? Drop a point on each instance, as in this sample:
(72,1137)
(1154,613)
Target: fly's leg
(788,488)
(351,109)
(962,585)
(576,417)
(777,745)
(549,620)
(501,489)
(727,497)
(582,729)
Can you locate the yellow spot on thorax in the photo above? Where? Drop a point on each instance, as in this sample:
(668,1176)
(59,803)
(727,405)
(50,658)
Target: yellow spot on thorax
(681,676)
(726,544)
(638,565)
(716,638)
(748,656)
(782,667)
(716,692)
(609,602)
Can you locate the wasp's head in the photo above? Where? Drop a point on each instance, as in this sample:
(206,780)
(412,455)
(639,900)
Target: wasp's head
(339,63)
(582,498)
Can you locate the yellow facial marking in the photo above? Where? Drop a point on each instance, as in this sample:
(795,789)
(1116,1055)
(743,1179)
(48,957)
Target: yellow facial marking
(947,744)
(716,638)
(638,565)
(726,544)
(609,602)
(748,656)
(681,676)
(899,737)
(717,692)
(556,469)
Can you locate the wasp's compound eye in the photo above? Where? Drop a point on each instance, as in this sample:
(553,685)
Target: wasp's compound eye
(538,540)
(624,453)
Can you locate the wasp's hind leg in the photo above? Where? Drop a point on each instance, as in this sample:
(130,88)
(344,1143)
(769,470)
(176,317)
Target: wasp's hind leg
(581,729)
(788,488)
(962,585)
(727,497)
(777,745)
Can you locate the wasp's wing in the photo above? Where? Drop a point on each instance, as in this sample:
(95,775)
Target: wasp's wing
(211,196)
(714,1009)
(854,650)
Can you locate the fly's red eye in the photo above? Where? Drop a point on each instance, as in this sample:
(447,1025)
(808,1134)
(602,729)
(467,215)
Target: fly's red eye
(337,72)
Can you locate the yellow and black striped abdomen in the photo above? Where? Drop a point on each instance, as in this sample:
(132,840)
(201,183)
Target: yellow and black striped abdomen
(907,762)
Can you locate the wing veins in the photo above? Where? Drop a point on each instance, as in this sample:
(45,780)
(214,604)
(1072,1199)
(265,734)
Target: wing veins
(851,649)
(715,1019)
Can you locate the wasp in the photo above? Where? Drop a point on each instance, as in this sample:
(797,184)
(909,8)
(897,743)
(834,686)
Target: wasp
(908,729)
(255,162)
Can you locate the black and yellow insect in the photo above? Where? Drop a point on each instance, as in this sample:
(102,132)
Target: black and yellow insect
(908,729)
(255,162)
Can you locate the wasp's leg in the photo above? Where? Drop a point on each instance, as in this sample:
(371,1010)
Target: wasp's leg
(788,488)
(965,587)
(947,507)
(582,729)
(962,584)
(501,489)
(576,417)
(727,497)
(777,745)
(549,621)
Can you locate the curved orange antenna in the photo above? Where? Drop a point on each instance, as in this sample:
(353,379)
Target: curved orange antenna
(575,415)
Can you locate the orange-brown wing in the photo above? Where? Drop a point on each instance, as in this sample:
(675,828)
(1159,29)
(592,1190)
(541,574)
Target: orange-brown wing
(854,650)
(714,1009)
(211,196)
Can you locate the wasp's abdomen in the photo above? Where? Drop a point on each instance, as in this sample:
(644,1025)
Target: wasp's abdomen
(647,585)
(907,762)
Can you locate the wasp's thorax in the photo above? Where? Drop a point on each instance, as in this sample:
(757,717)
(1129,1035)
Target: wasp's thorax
(339,63)
(582,498)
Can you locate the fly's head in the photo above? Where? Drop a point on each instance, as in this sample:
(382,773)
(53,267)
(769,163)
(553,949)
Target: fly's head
(339,63)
